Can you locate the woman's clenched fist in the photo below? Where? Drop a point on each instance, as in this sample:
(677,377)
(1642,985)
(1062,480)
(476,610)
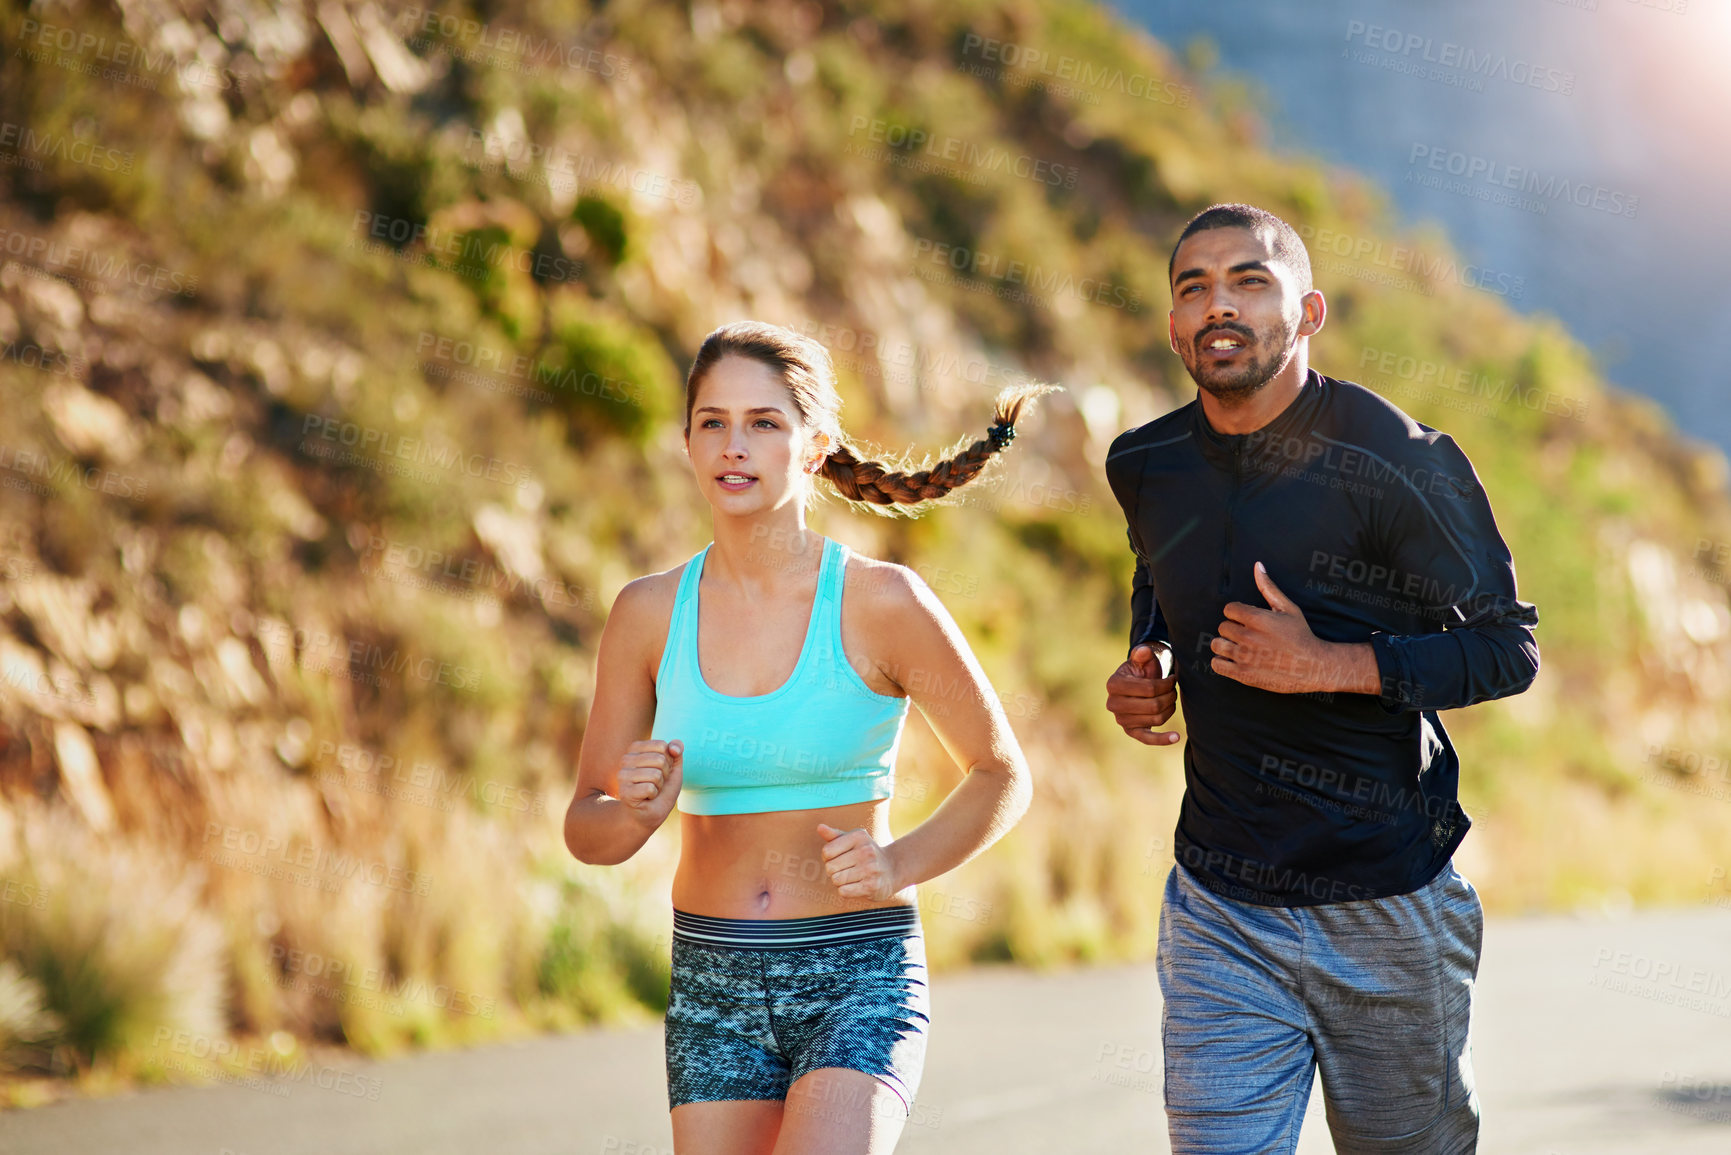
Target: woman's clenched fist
(649,779)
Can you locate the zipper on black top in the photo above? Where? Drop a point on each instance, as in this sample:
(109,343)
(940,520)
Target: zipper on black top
(1231,513)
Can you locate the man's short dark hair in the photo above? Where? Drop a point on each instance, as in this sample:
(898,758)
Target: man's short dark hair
(1289,249)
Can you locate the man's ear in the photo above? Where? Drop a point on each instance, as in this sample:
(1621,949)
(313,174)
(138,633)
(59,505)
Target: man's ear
(1172,331)
(1314,313)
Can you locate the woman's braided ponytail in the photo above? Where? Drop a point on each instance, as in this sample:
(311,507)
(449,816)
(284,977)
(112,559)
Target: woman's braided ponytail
(804,366)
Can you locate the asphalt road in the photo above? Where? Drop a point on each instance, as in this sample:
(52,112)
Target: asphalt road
(1591,1036)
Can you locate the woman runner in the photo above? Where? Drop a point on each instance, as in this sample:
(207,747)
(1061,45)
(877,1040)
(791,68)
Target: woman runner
(748,690)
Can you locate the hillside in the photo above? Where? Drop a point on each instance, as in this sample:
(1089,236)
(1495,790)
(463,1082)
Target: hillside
(342,373)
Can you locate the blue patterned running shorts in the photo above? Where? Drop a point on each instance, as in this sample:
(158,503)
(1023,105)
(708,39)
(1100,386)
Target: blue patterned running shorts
(758,1003)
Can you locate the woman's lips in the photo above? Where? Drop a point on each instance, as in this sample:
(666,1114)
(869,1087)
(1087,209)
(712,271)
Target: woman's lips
(736,486)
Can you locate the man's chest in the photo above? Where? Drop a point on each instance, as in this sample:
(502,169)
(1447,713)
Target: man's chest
(1201,535)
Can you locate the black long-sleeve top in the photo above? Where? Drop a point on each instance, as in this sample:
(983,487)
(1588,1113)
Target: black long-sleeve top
(1378,529)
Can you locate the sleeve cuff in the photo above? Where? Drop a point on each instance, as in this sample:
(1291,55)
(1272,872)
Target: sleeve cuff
(1397,693)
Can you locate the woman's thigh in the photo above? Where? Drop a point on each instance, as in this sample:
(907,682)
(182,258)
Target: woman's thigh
(727,1127)
(839,1111)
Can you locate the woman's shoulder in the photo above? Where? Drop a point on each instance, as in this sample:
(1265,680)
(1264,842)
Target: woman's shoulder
(887,589)
(648,601)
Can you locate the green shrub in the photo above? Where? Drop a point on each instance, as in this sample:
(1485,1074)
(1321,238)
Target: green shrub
(118,943)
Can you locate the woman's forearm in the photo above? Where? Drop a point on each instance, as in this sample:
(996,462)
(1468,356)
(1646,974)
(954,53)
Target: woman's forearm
(602,831)
(989,800)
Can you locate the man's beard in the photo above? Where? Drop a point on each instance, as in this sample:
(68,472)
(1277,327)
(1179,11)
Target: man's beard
(1263,358)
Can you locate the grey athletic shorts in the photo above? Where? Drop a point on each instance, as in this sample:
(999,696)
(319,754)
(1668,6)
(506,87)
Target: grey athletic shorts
(1378,993)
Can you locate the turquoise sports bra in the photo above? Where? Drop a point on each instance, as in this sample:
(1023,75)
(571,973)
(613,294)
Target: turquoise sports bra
(824,738)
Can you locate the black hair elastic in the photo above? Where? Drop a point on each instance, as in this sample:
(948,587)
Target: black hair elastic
(1001,434)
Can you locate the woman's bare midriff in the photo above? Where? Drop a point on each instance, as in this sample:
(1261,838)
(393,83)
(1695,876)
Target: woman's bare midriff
(771,865)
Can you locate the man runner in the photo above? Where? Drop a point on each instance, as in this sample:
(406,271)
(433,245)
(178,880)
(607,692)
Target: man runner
(1317,575)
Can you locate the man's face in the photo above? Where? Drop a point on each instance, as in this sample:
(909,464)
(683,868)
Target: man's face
(1236,311)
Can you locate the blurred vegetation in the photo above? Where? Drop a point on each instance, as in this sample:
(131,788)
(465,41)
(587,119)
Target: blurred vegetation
(360,401)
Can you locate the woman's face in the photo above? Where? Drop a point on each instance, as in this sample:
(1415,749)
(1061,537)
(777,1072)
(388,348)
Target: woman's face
(746,442)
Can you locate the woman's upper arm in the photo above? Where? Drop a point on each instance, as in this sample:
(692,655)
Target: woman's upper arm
(930,659)
(623,708)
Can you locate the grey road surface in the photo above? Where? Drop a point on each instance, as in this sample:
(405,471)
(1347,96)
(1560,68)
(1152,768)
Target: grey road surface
(1601,1035)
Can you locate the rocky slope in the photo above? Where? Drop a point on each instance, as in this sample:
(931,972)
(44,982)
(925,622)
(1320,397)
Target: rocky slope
(341,377)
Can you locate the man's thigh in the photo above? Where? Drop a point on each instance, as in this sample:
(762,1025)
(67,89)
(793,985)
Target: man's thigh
(1238,1063)
(1389,985)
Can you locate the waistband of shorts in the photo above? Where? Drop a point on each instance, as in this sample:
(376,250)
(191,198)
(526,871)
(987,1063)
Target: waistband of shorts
(792,933)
